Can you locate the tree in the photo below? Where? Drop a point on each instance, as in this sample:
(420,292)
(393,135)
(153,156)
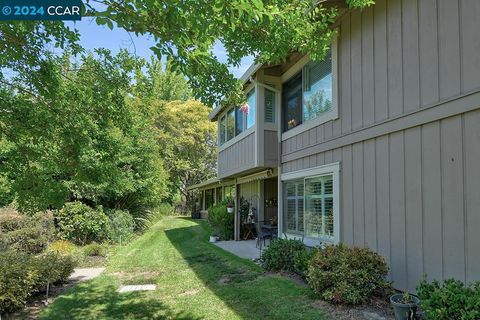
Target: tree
(185,32)
(187,142)
(74,133)
(161,83)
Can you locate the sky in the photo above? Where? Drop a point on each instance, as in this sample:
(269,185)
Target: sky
(94,36)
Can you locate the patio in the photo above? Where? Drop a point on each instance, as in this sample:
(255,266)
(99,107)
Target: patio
(245,249)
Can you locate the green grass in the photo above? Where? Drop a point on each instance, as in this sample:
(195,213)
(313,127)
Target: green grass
(195,280)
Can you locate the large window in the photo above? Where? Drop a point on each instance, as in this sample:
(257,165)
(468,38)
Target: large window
(237,119)
(310,204)
(308,94)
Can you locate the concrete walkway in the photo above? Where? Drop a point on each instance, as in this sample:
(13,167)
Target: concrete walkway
(245,249)
(85,274)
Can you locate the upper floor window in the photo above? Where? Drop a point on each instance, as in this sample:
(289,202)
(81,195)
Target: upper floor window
(237,119)
(308,94)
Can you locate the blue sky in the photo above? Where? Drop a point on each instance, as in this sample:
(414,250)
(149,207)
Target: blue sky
(94,36)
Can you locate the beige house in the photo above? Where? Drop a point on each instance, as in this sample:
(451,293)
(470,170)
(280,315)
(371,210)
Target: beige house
(378,145)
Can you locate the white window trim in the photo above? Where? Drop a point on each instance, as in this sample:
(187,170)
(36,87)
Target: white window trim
(334,170)
(332,114)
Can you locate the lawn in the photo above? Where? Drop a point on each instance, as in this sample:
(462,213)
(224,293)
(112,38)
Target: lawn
(195,280)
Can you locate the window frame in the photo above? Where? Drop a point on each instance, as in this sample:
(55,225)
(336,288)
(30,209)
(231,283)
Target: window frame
(245,131)
(331,115)
(332,169)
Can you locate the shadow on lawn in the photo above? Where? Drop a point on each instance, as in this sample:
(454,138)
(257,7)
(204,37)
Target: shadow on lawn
(86,298)
(240,283)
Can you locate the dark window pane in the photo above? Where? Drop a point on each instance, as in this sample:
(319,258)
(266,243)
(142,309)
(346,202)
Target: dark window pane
(209,198)
(231,124)
(292,102)
(221,134)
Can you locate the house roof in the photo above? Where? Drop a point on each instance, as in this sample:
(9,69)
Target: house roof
(246,77)
(204,184)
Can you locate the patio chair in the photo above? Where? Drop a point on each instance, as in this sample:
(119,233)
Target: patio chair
(262,234)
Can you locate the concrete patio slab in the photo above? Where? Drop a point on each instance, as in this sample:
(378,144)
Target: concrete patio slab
(245,249)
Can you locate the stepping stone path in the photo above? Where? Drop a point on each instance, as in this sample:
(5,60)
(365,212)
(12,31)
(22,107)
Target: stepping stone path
(85,274)
(143,287)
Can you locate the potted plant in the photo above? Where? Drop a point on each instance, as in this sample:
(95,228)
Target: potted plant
(213,238)
(230,207)
(404,305)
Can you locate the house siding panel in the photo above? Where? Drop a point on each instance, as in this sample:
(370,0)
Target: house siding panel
(237,157)
(407,137)
(397,57)
(403,195)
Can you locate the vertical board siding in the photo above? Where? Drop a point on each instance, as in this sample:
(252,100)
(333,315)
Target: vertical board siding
(271,148)
(369,187)
(347,196)
(396,57)
(397,208)
(472,197)
(432,206)
(395,60)
(428,38)
(358,196)
(237,157)
(356,69)
(368,99)
(380,60)
(411,75)
(449,48)
(345,91)
(413,206)
(470,43)
(413,196)
(452,198)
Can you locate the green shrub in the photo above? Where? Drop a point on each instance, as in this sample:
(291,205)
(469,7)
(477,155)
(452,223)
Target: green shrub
(284,255)
(19,277)
(301,261)
(452,300)
(221,222)
(28,234)
(54,268)
(63,247)
(11,220)
(120,226)
(341,274)
(95,250)
(81,224)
